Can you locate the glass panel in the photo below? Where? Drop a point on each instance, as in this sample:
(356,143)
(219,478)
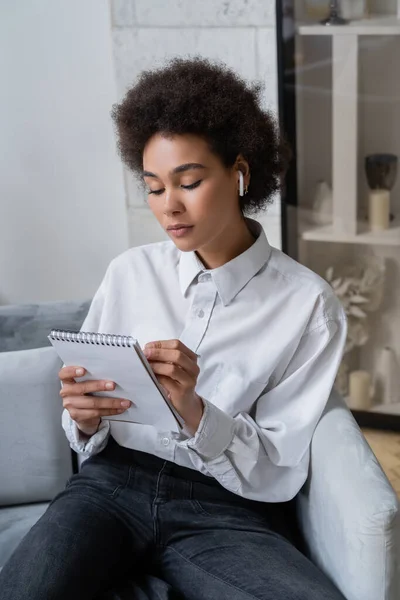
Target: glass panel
(340,106)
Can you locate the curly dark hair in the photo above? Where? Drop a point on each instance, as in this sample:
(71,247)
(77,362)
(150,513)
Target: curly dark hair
(207,99)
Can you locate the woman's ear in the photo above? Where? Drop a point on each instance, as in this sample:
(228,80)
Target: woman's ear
(242,165)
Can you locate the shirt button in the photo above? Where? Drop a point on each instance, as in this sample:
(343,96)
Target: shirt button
(165,441)
(200,314)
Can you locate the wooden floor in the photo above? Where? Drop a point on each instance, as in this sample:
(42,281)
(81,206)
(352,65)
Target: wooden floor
(386,447)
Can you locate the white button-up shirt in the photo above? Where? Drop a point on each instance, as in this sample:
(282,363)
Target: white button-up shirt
(270,334)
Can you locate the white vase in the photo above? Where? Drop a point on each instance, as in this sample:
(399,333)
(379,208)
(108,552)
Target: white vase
(353,9)
(316,9)
(387,379)
(322,205)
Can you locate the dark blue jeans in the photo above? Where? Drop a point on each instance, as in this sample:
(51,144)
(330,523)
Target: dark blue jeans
(131,526)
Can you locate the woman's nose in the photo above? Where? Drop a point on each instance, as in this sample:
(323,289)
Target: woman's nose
(172,204)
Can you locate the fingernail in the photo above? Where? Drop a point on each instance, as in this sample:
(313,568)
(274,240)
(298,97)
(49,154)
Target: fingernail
(109,385)
(79,372)
(125,403)
(147,353)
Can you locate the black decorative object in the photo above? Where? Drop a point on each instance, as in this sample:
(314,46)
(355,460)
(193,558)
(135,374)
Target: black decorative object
(381,170)
(334,18)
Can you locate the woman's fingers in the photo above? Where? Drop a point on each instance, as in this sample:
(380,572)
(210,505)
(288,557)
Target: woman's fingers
(176,357)
(85,408)
(170,385)
(172,345)
(68,373)
(81,405)
(85,387)
(174,372)
(95,403)
(83,415)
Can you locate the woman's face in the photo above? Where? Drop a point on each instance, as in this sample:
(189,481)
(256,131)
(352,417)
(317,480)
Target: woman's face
(188,185)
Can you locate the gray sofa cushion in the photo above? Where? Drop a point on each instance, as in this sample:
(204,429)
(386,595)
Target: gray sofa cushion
(27,326)
(15,522)
(35,458)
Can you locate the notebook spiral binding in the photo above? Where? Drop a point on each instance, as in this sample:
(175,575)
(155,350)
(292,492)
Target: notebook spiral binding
(98,339)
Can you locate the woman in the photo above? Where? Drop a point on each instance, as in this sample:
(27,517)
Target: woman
(246,342)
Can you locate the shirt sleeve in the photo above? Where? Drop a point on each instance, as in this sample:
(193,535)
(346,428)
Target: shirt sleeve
(265,456)
(79,442)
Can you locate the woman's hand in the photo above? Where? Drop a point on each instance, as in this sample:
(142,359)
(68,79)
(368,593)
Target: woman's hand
(84,409)
(175,366)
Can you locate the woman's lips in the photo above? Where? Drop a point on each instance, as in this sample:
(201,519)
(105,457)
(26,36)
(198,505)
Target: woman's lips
(181,231)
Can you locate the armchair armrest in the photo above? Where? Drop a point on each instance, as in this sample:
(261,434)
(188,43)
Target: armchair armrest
(348,511)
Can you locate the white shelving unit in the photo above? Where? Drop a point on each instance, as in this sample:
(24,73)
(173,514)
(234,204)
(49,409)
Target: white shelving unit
(345,41)
(389,237)
(378,25)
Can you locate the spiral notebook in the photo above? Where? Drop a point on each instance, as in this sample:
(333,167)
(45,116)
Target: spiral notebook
(120,359)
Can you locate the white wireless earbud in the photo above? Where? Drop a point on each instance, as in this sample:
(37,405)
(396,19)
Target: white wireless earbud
(241,184)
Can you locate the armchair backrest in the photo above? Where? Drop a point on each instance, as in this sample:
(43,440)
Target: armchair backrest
(35,458)
(26,326)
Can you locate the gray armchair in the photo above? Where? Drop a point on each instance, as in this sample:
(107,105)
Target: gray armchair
(347,511)
(35,457)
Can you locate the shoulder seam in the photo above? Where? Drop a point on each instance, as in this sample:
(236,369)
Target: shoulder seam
(292,277)
(326,321)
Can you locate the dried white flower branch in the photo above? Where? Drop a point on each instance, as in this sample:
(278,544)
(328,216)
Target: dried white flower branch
(360,288)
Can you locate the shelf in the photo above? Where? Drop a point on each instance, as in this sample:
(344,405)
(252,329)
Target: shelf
(388,409)
(388,237)
(372,26)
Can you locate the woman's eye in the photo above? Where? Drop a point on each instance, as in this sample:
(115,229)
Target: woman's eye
(192,185)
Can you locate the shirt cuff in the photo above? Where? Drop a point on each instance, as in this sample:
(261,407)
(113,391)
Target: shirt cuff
(214,434)
(82,443)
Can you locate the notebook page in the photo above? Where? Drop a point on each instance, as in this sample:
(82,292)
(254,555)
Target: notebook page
(123,366)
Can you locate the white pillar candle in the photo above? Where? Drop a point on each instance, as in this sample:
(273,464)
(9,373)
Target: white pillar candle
(360,390)
(387,379)
(379,209)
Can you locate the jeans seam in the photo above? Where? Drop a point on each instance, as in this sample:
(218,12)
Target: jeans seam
(84,496)
(118,489)
(219,579)
(154,505)
(199,508)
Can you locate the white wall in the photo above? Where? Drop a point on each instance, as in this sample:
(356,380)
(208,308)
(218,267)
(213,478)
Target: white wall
(62,206)
(241,34)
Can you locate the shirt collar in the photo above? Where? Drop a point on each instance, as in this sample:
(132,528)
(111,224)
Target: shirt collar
(231,277)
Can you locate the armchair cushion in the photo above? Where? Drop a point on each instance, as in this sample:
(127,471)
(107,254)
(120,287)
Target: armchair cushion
(348,511)
(25,326)
(35,455)
(15,522)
